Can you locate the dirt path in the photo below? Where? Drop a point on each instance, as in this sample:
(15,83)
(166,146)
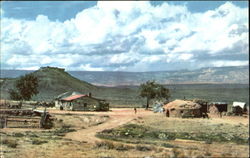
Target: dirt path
(117,118)
(120,116)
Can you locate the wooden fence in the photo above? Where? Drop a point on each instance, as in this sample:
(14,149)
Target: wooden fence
(21,122)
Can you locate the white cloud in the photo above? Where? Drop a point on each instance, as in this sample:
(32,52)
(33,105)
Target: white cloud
(30,68)
(153,58)
(229,63)
(2,12)
(87,67)
(123,58)
(128,35)
(150,36)
(185,56)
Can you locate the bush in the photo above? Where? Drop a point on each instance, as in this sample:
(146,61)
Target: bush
(143,148)
(105,145)
(122,147)
(107,131)
(63,130)
(38,142)
(10,143)
(14,95)
(166,145)
(136,133)
(18,135)
(177,153)
(209,141)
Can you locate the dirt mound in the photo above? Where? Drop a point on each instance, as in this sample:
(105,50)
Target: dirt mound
(182,104)
(213,110)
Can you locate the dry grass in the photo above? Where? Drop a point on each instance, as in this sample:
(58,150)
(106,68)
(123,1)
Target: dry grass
(10,142)
(217,128)
(52,146)
(198,124)
(80,121)
(112,145)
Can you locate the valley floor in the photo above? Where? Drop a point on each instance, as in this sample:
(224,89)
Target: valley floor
(74,135)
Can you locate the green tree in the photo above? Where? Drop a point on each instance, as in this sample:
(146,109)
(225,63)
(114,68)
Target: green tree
(151,90)
(14,95)
(27,86)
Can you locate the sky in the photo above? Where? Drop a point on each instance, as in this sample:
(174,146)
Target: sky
(124,35)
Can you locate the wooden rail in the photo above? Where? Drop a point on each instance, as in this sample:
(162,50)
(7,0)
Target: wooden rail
(22,122)
(15,117)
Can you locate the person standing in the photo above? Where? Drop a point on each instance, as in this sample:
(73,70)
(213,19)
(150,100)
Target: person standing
(135,110)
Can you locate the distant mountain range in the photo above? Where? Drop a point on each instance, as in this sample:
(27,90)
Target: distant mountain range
(236,74)
(54,81)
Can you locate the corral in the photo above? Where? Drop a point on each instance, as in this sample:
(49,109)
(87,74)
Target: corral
(12,104)
(20,118)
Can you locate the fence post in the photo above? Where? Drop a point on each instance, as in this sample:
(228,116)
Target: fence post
(6,122)
(43,118)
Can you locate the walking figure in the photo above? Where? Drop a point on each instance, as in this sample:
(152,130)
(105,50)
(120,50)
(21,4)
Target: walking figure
(135,110)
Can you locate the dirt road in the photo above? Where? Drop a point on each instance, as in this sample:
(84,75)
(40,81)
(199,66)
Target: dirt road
(120,116)
(88,135)
(117,118)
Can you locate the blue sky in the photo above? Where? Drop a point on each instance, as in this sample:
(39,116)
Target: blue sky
(124,35)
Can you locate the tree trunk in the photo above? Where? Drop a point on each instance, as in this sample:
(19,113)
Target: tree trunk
(147,106)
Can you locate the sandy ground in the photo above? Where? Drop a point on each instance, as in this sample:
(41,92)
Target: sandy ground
(120,116)
(117,118)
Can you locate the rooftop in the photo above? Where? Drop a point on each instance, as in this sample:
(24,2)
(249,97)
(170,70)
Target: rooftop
(73,97)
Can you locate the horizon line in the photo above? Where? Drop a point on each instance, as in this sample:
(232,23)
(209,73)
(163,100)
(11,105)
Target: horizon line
(127,71)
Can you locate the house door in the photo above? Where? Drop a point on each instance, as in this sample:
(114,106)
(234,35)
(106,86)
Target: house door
(85,106)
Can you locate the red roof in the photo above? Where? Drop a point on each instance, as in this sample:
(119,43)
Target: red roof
(73,97)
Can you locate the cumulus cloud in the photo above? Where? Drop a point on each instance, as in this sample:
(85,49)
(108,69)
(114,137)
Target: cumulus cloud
(129,36)
(1,12)
(87,67)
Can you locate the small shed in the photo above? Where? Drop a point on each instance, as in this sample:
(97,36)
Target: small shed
(183,108)
(239,108)
(80,102)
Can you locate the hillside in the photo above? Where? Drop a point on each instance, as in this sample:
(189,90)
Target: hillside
(54,81)
(237,74)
